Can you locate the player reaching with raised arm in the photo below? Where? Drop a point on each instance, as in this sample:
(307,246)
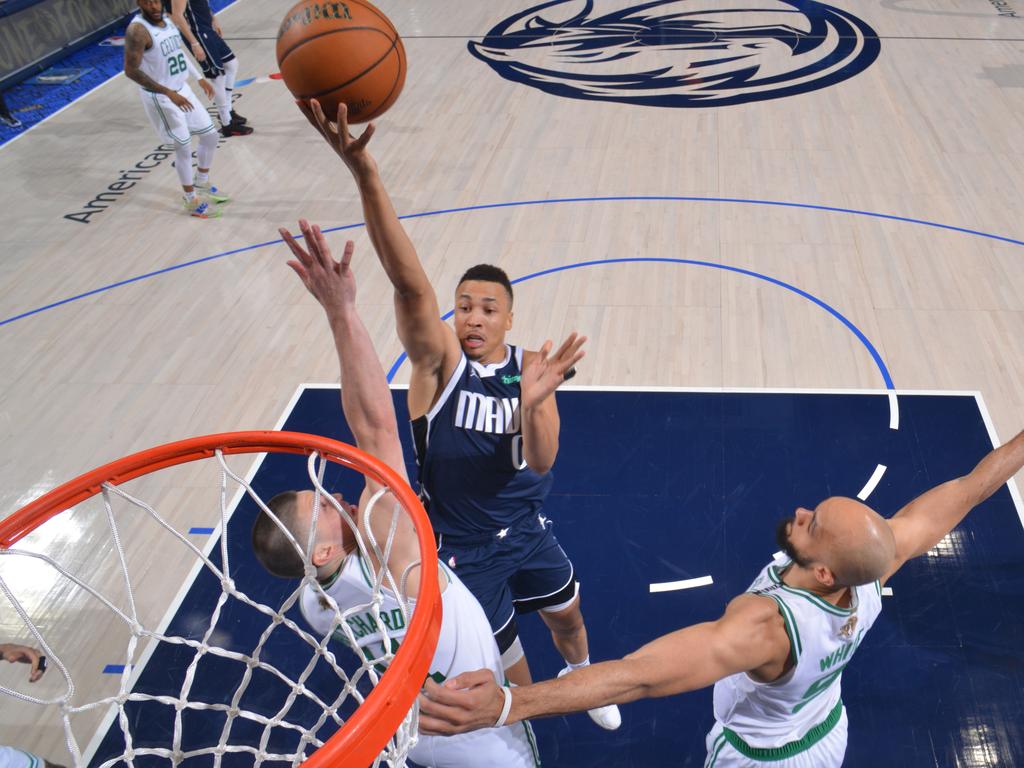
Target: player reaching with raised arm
(465,641)
(777,654)
(486,430)
(154,58)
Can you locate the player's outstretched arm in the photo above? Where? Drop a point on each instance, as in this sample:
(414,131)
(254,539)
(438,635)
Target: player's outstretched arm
(429,342)
(177,15)
(543,373)
(365,396)
(749,636)
(922,523)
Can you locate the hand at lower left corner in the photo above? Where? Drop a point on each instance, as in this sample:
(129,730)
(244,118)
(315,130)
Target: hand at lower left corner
(25,655)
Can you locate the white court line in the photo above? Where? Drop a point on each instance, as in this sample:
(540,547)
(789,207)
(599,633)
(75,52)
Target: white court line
(869,486)
(771,390)
(990,427)
(894,410)
(78,98)
(213,540)
(672,586)
(32,127)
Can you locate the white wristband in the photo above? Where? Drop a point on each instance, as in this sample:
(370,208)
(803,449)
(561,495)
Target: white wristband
(506,708)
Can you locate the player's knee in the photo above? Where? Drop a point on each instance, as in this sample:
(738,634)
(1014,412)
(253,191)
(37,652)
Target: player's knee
(568,621)
(208,140)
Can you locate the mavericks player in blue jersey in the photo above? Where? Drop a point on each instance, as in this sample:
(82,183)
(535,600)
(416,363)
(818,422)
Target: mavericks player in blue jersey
(220,65)
(486,429)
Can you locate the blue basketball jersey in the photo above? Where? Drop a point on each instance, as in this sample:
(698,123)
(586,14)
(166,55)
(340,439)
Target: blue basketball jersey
(469,449)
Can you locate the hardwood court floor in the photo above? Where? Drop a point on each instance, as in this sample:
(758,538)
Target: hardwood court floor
(930,131)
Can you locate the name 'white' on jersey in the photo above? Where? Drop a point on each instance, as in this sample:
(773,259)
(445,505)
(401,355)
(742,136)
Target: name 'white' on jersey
(823,639)
(164,61)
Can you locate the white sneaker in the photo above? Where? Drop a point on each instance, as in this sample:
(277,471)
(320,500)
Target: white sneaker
(607,717)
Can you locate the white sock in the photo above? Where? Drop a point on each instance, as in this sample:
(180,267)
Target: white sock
(207,146)
(581,665)
(202,178)
(222,99)
(183,163)
(230,74)
(190,196)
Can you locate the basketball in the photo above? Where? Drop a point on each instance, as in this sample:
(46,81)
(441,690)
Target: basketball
(341,52)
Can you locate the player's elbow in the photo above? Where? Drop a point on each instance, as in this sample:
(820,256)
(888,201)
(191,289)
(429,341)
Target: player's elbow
(642,678)
(540,464)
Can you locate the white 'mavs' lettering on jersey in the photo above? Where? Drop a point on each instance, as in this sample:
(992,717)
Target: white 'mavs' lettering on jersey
(823,638)
(483,413)
(164,61)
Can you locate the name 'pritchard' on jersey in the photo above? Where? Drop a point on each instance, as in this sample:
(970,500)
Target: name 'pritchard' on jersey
(469,449)
(823,639)
(465,642)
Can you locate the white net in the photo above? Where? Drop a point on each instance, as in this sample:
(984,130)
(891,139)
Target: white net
(212,700)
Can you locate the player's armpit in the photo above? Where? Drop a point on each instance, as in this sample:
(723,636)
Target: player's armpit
(750,636)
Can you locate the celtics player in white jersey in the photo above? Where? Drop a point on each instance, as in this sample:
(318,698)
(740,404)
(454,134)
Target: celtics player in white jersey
(777,654)
(465,642)
(155,59)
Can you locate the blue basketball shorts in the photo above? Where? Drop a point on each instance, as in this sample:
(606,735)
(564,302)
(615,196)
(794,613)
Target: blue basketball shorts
(517,570)
(218,53)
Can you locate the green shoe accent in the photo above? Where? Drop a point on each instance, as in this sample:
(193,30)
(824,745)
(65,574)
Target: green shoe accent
(212,194)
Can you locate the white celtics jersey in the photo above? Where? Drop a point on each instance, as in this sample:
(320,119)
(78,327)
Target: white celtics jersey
(464,644)
(823,638)
(164,61)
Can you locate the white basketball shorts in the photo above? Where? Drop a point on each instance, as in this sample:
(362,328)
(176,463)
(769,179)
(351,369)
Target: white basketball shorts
(827,752)
(173,124)
(511,746)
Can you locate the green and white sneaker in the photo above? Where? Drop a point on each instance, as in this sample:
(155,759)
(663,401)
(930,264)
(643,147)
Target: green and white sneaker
(212,193)
(201,208)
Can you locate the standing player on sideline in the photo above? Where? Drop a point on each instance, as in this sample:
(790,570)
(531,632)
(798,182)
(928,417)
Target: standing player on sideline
(153,58)
(486,429)
(777,655)
(205,38)
(465,641)
(12,757)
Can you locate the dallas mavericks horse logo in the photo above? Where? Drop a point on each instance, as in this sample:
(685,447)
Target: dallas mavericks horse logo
(680,53)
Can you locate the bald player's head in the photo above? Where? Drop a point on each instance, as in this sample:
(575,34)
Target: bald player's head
(845,542)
